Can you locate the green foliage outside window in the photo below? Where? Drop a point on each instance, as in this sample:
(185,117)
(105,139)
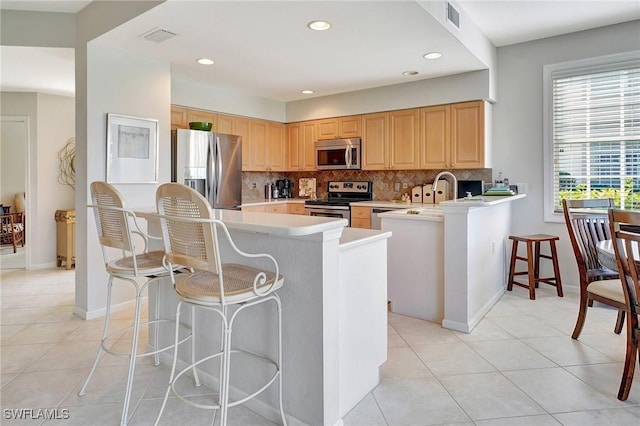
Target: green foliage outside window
(631,197)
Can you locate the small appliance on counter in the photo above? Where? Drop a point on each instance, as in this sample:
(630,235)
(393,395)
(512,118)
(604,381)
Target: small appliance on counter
(285,188)
(475,187)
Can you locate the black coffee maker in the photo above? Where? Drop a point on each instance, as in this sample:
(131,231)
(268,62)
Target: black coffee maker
(285,188)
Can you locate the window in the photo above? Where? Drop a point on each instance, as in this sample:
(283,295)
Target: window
(592,131)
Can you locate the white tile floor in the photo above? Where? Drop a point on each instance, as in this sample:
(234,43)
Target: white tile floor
(518,367)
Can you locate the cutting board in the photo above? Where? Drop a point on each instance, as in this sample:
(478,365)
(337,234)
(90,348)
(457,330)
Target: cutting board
(307,187)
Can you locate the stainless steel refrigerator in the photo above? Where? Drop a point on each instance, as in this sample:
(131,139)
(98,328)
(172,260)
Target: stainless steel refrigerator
(211,163)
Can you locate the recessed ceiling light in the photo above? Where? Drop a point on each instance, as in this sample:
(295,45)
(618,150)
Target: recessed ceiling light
(410,73)
(432,55)
(205,61)
(307,92)
(319,25)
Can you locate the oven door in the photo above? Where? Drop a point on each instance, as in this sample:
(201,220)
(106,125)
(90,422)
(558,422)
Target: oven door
(328,211)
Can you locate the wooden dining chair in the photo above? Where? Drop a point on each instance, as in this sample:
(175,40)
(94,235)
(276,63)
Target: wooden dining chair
(588,224)
(12,229)
(627,249)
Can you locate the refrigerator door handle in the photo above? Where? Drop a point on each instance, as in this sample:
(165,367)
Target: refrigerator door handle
(209,186)
(219,167)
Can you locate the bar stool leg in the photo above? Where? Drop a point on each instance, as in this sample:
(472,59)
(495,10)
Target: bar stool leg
(536,268)
(512,265)
(556,267)
(531,271)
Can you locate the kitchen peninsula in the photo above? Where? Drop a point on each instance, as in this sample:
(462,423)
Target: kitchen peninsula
(451,271)
(334,314)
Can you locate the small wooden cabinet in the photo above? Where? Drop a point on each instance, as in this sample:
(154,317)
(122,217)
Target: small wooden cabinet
(375,134)
(66,237)
(301,148)
(276,208)
(295,208)
(179,118)
(199,115)
(361,217)
(339,127)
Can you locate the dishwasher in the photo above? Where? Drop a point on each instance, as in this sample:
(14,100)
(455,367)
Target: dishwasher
(375,220)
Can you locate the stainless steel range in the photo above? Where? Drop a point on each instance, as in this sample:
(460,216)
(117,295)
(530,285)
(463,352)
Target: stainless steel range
(339,195)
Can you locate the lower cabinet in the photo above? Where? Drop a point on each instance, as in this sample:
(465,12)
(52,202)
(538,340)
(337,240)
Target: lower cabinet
(285,208)
(361,217)
(295,208)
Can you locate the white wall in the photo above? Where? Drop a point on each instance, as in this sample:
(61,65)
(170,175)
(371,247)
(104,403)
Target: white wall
(517,123)
(436,91)
(13,157)
(51,124)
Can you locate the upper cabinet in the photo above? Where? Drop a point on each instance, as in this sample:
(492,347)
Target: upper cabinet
(452,136)
(179,118)
(301,149)
(339,127)
(224,124)
(467,135)
(198,115)
(390,140)
(276,147)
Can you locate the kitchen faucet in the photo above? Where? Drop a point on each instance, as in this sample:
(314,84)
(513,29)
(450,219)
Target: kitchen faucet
(455,183)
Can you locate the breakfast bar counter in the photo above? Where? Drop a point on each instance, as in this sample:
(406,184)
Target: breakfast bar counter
(334,316)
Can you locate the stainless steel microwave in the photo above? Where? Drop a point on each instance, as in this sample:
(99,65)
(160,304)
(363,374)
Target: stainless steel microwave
(338,154)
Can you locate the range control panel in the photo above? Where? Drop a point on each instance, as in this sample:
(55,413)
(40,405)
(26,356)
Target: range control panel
(359,187)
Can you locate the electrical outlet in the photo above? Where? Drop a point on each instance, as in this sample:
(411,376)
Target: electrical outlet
(253,186)
(405,185)
(385,185)
(396,186)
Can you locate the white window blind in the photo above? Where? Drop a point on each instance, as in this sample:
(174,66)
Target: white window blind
(596,134)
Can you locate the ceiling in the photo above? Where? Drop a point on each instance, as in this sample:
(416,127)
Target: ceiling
(265,49)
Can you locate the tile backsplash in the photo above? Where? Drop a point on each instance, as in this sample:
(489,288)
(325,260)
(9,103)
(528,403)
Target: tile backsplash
(384,182)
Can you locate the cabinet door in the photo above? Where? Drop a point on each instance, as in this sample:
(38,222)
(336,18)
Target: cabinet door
(361,223)
(242,127)
(404,146)
(375,141)
(435,138)
(258,155)
(295,208)
(224,124)
(308,136)
(328,128)
(467,135)
(197,115)
(276,147)
(351,127)
(179,118)
(295,153)
(276,208)
(360,213)
(260,209)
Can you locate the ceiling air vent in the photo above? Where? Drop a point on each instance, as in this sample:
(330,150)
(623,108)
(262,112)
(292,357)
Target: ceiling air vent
(453,15)
(158,35)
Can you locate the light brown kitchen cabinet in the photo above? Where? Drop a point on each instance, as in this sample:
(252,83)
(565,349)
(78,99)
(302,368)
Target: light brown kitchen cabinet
(224,124)
(404,139)
(295,208)
(301,149)
(375,136)
(452,136)
(199,115)
(339,127)
(467,135)
(361,217)
(259,209)
(276,147)
(391,140)
(242,127)
(435,137)
(276,208)
(179,118)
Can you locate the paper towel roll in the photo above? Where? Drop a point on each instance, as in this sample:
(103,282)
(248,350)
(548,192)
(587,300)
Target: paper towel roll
(416,194)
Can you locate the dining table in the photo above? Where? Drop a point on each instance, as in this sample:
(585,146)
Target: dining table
(607,255)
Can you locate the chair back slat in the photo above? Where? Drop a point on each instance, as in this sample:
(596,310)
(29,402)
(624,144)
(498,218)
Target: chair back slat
(627,249)
(587,224)
(112,225)
(188,243)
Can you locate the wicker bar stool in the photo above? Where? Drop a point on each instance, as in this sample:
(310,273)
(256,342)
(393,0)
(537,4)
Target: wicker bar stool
(533,257)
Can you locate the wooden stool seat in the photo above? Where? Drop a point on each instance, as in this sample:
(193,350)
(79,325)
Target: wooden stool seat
(533,263)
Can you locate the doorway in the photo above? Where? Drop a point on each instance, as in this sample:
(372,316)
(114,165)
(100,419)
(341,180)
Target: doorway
(14,142)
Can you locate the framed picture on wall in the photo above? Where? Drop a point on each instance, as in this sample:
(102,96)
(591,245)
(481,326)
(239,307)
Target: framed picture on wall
(132,149)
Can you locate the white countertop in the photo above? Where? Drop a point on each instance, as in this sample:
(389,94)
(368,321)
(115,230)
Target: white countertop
(430,213)
(274,201)
(278,224)
(481,201)
(385,204)
(353,237)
